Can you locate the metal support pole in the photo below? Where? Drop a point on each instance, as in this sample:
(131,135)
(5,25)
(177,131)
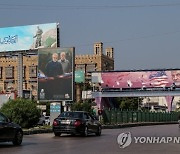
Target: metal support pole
(20,75)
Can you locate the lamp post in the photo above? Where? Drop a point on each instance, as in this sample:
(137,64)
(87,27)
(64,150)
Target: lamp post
(148,100)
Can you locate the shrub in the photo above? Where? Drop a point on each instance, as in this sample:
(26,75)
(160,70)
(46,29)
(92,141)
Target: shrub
(82,107)
(22,111)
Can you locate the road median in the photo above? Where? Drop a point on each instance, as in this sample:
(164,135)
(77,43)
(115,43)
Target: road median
(39,130)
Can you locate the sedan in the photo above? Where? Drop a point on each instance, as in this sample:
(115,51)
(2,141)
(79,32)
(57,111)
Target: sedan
(9,131)
(76,122)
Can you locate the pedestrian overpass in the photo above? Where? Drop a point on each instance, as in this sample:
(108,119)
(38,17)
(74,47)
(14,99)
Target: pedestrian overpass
(168,94)
(136,93)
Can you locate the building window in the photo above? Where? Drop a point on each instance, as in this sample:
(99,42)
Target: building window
(24,71)
(90,67)
(9,72)
(0,72)
(33,71)
(80,67)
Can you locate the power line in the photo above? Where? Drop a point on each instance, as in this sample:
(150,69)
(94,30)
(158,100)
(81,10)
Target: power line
(135,38)
(50,7)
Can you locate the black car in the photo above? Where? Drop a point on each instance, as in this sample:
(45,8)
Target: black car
(76,122)
(10,132)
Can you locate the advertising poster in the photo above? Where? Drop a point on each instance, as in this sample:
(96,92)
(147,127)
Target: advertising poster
(28,37)
(55,74)
(140,79)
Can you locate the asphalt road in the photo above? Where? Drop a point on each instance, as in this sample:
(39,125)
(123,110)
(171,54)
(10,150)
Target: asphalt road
(107,143)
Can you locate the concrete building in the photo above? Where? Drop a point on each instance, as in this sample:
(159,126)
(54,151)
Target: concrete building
(160,103)
(98,61)
(9,74)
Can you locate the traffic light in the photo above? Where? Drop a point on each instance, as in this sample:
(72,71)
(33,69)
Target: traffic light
(99,112)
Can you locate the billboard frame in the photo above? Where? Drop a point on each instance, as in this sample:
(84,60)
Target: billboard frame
(26,35)
(73,76)
(154,77)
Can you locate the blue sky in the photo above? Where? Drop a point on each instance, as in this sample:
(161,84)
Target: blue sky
(145,34)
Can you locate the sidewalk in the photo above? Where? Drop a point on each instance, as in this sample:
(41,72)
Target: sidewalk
(125,125)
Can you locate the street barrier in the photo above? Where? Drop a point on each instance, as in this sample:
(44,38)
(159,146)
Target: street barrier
(117,116)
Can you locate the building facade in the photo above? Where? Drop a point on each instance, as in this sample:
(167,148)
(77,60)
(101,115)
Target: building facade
(98,61)
(9,74)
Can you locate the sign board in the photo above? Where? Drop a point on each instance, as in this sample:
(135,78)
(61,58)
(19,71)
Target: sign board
(149,79)
(87,94)
(56,74)
(42,107)
(28,37)
(55,110)
(79,76)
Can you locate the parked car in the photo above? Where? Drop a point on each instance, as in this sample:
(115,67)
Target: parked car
(76,122)
(47,120)
(9,131)
(44,120)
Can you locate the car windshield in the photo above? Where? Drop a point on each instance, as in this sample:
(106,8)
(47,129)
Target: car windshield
(71,114)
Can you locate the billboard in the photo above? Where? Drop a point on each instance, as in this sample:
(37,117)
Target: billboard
(55,74)
(79,76)
(28,37)
(138,79)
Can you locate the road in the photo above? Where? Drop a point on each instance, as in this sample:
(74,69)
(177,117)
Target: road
(105,144)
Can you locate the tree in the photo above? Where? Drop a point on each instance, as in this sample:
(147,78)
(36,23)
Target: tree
(129,102)
(22,111)
(86,106)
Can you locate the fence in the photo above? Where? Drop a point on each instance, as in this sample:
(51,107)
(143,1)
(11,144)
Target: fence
(120,116)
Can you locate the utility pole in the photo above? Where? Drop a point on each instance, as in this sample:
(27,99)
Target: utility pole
(20,75)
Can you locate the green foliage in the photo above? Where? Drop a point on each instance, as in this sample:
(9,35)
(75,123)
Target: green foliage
(82,107)
(131,103)
(22,111)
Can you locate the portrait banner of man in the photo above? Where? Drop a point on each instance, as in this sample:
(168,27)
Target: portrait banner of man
(55,74)
(176,77)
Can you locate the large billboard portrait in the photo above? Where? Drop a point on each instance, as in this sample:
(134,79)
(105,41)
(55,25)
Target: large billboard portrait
(139,79)
(55,74)
(28,37)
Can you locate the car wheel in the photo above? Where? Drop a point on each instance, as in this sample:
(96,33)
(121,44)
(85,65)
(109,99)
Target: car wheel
(98,133)
(57,134)
(85,131)
(18,138)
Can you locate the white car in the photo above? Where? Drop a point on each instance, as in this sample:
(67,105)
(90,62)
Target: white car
(47,120)
(44,120)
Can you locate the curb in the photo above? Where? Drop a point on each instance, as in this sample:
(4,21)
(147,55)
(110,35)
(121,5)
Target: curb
(126,125)
(137,124)
(37,131)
